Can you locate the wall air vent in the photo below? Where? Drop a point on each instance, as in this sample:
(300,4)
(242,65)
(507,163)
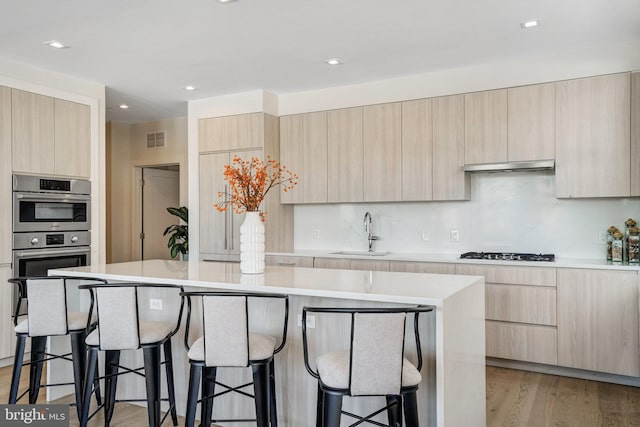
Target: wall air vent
(156,139)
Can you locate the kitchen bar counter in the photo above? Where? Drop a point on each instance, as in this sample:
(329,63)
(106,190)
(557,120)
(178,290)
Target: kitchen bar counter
(452,392)
(560,262)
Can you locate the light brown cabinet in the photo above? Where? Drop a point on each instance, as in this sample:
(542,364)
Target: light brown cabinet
(382,132)
(598,321)
(593,137)
(289,261)
(50,136)
(417,150)
(520,312)
(449,180)
(319,262)
(5,178)
(345,156)
(72,135)
(303,150)
(531,122)
(635,134)
(422,267)
(33,135)
(219,231)
(238,132)
(485,125)
(7,334)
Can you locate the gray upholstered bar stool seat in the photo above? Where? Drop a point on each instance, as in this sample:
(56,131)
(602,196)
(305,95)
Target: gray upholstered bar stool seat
(47,315)
(122,325)
(227,342)
(374,365)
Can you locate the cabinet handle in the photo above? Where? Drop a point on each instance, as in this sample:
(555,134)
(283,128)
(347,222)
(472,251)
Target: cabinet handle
(288,264)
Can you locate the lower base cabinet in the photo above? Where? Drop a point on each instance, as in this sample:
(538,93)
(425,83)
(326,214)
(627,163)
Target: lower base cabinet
(7,334)
(598,320)
(517,341)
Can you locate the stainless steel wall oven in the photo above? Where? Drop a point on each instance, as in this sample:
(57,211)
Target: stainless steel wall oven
(51,225)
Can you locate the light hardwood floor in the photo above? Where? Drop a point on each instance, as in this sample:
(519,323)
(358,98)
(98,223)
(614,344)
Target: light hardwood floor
(514,398)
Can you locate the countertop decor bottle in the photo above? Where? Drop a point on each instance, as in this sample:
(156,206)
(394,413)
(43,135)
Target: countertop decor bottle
(634,245)
(625,244)
(610,232)
(616,248)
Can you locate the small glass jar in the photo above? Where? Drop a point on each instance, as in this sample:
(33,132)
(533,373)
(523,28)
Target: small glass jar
(634,245)
(609,242)
(616,248)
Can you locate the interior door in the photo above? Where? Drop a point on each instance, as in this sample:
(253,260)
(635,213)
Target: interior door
(161,190)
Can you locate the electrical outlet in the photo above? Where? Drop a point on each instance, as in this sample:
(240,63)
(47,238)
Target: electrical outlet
(454,235)
(311,321)
(316,233)
(426,236)
(155,304)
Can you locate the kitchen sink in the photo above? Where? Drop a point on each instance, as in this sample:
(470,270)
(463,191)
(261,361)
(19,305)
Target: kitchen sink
(360,253)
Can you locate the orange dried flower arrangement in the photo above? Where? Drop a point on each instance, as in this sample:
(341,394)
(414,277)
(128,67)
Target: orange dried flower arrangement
(250,181)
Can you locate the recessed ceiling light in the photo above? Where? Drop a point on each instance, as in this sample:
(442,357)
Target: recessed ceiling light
(124,106)
(227,1)
(56,44)
(529,24)
(189,87)
(333,61)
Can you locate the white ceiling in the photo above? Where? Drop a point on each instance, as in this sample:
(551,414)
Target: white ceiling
(146,51)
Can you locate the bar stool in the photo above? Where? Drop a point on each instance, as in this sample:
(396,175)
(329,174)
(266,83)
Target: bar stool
(48,315)
(374,365)
(227,342)
(120,326)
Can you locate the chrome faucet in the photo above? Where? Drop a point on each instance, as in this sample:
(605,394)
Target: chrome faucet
(367,230)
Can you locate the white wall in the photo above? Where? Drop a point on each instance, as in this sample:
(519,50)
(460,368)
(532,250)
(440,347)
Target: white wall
(508,212)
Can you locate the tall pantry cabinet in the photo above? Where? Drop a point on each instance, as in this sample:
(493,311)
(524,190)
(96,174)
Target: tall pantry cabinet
(220,139)
(6,326)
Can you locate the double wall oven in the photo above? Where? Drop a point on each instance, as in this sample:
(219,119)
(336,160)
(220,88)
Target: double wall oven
(51,224)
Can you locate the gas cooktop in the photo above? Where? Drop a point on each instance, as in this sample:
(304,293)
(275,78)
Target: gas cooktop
(508,256)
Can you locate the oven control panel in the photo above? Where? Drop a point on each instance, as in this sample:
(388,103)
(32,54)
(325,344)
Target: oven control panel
(33,240)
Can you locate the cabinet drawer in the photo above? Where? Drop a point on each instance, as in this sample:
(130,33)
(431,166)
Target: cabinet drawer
(332,263)
(529,343)
(422,267)
(524,304)
(535,276)
(364,264)
(289,261)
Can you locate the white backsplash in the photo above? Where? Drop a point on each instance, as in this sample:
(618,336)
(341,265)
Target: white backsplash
(515,212)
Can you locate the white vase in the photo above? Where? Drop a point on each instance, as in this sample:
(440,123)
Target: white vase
(252,244)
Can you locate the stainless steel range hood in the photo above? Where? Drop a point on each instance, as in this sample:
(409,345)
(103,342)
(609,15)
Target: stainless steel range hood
(529,166)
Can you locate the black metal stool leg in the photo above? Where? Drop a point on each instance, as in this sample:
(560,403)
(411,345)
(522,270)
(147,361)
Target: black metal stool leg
(332,409)
(168,365)
(208,390)
(395,410)
(38,345)
(320,405)
(192,394)
(152,380)
(111,361)
(411,409)
(96,387)
(261,392)
(92,364)
(273,410)
(79,361)
(17,367)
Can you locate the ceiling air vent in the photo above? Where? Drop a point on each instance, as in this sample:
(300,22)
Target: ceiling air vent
(156,139)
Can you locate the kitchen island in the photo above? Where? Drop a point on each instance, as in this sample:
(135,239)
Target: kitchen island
(452,392)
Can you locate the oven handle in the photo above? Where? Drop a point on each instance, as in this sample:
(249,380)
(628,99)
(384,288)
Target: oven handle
(52,251)
(48,197)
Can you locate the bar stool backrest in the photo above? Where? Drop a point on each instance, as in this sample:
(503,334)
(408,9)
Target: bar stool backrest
(47,309)
(226,332)
(377,353)
(118,317)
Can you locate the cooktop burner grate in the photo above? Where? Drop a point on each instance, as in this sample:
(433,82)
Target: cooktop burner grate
(508,256)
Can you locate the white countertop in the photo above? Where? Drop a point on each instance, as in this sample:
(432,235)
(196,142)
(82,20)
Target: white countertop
(410,288)
(455,259)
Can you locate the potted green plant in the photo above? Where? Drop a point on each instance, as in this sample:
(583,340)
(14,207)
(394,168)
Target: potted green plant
(179,238)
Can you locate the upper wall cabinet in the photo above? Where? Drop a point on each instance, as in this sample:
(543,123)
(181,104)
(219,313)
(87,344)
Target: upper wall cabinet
(33,132)
(345,155)
(417,150)
(382,133)
(50,136)
(593,137)
(635,134)
(531,123)
(449,181)
(485,127)
(5,176)
(239,132)
(303,148)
